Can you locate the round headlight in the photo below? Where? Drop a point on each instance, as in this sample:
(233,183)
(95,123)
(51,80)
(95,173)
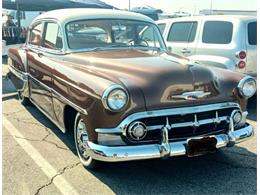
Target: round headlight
(115,98)
(247,87)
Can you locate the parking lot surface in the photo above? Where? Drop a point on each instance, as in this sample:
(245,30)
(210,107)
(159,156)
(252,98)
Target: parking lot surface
(40,159)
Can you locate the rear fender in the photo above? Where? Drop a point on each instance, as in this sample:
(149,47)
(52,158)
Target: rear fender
(17,64)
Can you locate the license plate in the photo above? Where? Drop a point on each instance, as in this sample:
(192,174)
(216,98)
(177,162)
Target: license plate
(201,146)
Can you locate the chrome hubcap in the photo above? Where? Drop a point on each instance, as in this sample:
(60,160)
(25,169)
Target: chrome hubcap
(82,138)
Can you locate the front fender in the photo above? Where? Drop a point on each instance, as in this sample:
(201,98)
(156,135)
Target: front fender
(217,61)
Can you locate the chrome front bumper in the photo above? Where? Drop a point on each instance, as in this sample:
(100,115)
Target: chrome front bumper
(165,149)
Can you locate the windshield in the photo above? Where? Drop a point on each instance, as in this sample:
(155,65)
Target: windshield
(103,34)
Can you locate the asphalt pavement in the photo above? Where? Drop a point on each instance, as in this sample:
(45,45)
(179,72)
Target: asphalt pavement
(39,159)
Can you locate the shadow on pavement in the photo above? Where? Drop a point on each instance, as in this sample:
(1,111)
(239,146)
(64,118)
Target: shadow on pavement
(218,173)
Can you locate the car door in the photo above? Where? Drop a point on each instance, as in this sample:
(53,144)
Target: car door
(181,37)
(251,48)
(41,65)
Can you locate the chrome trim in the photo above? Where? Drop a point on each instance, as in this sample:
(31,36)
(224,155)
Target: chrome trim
(165,149)
(21,75)
(50,51)
(121,128)
(241,84)
(76,87)
(48,116)
(232,116)
(141,152)
(84,111)
(192,95)
(130,131)
(108,91)
(196,123)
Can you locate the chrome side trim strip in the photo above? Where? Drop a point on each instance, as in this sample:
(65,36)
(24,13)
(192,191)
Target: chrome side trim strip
(21,75)
(48,116)
(65,100)
(121,128)
(76,87)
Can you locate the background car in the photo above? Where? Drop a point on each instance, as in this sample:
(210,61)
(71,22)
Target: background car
(217,40)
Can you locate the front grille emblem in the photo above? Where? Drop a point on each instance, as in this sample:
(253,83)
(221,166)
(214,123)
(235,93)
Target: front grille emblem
(193,95)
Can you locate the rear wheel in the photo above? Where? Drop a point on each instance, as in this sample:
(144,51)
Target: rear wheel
(24,100)
(81,137)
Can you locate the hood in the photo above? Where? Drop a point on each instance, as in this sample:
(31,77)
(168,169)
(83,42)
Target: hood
(164,80)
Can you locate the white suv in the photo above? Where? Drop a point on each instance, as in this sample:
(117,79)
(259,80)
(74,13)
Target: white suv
(218,40)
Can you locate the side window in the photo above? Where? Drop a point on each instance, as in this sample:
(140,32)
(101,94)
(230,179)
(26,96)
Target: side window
(147,34)
(36,35)
(251,31)
(217,32)
(53,36)
(161,27)
(182,32)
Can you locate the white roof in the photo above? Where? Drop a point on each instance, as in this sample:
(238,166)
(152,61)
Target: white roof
(67,15)
(209,17)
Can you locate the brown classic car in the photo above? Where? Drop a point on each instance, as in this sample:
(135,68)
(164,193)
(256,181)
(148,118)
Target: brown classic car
(106,76)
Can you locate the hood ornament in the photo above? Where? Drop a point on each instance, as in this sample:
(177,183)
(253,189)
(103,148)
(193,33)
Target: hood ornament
(192,95)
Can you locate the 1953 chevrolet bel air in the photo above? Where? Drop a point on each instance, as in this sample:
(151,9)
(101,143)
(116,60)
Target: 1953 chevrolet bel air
(106,75)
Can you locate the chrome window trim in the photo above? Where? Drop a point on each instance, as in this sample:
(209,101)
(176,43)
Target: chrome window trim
(121,128)
(41,48)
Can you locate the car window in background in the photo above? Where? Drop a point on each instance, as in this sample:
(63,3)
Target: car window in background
(36,35)
(53,37)
(217,32)
(252,38)
(182,32)
(161,27)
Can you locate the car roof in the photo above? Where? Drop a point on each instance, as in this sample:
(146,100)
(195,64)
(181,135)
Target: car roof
(210,17)
(68,15)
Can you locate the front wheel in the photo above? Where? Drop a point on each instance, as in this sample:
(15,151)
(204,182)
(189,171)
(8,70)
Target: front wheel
(81,137)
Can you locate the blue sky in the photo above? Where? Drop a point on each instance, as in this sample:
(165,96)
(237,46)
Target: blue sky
(187,5)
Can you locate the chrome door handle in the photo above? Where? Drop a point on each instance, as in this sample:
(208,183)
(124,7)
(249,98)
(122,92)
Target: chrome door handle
(185,50)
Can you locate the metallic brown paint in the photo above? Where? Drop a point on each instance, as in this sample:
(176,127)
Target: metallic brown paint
(150,77)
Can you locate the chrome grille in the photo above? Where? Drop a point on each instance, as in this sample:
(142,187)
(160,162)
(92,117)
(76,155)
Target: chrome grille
(183,126)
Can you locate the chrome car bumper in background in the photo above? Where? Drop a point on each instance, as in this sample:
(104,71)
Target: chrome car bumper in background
(165,149)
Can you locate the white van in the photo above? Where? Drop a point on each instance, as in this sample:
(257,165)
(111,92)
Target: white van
(219,40)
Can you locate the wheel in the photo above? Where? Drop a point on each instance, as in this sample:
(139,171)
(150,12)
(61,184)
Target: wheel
(24,100)
(81,136)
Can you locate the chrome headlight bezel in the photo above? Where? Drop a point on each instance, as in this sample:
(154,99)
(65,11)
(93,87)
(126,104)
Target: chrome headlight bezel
(242,83)
(107,93)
